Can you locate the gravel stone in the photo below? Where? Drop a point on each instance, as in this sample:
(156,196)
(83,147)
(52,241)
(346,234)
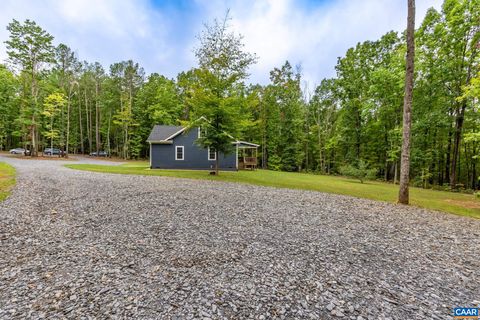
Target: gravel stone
(77,244)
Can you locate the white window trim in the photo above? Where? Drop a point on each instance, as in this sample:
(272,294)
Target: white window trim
(183,152)
(199,132)
(208,155)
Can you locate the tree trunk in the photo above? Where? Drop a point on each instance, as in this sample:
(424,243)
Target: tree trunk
(82,147)
(68,127)
(97,120)
(125,145)
(474,176)
(456,144)
(448,155)
(467,165)
(33,151)
(108,134)
(403,194)
(68,121)
(89,123)
(33,147)
(264,153)
(90,130)
(385,174)
(320,153)
(395,174)
(51,132)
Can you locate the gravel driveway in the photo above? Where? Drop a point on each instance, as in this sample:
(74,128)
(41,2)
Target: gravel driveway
(80,244)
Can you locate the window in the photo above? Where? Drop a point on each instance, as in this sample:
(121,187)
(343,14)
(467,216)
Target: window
(201,132)
(211,154)
(179,153)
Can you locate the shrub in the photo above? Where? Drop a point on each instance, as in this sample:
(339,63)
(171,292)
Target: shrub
(477,195)
(274,162)
(360,172)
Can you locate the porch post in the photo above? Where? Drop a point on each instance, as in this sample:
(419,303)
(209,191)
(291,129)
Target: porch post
(236,157)
(150,154)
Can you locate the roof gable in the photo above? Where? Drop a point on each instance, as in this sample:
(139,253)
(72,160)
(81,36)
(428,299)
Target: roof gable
(163,132)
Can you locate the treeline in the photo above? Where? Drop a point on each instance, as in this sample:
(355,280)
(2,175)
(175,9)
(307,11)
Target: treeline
(353,120)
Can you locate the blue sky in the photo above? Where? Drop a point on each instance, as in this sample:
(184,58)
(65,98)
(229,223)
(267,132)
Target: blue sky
(161,35)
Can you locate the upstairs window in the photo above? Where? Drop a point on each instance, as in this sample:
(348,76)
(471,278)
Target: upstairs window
(179,154)
(211,154)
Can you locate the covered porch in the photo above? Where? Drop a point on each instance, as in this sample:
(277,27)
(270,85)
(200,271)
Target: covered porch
(246,155)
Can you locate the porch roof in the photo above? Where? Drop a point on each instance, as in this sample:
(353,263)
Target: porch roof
(246,145)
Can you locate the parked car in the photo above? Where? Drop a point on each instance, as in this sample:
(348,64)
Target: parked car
(100,154)
(20,151)
(52,152)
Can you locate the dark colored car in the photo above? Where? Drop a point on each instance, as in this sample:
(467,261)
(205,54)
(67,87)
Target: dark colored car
(52,152)
(20,151)
(100,154)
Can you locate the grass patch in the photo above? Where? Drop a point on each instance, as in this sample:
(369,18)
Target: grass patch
(7,180)
(457,203)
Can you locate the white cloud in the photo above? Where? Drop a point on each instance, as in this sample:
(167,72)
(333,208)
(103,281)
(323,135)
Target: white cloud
(315,36)
(106,31)
(162,40)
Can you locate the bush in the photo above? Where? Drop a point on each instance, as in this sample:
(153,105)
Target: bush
(360,172)
(274,163)
(477,195)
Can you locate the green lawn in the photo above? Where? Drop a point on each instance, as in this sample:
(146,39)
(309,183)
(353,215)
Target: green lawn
(457,203)
(7,180)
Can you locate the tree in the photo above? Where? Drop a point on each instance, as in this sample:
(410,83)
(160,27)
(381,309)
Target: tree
(29,48)
(67,67)
(51,107)
(472,92)
(8,107)
(128,76)
(158,101)
(99,74)
(289,117)
(323,107)
(461,38)
(222,65)
(403,195)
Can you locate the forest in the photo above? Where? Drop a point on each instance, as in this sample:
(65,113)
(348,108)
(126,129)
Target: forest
(48,95)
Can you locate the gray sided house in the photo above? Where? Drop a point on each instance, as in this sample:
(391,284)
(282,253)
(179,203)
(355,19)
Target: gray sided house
(174,147)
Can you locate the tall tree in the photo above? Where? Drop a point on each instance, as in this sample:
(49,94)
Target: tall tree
(323,107)
(403,194)
(67,67)
(30,47)
(129,77)
(287,153)
(99,74)
(460,47)
(8,107)
(51,107)
(223,64)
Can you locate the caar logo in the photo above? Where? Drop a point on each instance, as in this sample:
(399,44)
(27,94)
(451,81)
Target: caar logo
(465,313)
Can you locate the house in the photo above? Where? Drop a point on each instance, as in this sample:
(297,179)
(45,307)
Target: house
(174,147)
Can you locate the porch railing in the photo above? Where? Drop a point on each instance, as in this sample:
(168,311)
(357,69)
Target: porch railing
(247,163)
